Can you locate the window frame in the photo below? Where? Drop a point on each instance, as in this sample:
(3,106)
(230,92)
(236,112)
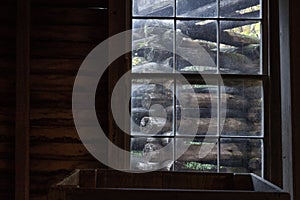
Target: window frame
(120,20)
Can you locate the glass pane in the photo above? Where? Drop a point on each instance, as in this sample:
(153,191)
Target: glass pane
(196,46)
(197,109)
(201,155)
(240,47)
(151,107)
(241,155)
(240,8)
(158,8)
(152,44)
(192,8)
(151,153)
(241,108)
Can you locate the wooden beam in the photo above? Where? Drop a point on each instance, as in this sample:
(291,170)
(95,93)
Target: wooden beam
(22,101)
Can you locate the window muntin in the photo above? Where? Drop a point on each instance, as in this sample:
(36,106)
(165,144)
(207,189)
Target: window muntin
(229,33)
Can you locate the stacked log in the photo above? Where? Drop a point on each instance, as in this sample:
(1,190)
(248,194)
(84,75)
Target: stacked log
(240,101)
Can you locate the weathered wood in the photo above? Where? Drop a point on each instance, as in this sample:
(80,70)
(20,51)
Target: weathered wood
(53,83)
(168,185)
(53,66)
(204,100)
(68,16)
(229,152)
(93,34)
(160,125)
(59,117)
(69,50)
(51,165)
(60,151)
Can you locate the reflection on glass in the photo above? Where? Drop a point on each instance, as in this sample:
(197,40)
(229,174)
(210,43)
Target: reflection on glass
(152,43)
(151,107)
(196,109)
(242,107)
(155,8)
(241,156)
(151,153)
(201,155)
(240,9)
(196,46)
(192,8)
(240,47)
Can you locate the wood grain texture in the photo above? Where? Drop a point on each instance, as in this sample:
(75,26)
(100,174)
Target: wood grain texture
(72,33)
(68,16)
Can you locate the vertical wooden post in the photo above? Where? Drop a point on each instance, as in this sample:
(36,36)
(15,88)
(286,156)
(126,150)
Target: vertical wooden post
(22,101)
(117,24)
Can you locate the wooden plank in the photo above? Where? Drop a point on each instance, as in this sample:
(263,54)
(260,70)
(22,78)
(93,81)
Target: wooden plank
(60,99)
(69,50)
(60,151)
(53,66)
(60,83)
(47,165)
(93,194)
(59,134)
(93,34)
(59,117)
(68,16)
(70,3)
(22,101)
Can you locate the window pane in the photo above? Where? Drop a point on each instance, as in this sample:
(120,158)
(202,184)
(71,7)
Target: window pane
(147,153)
(201,155)
(152,44)
(192,8)
(240,8)
(197,109)
(196,46)
(241,108)
(240,47)
(158,8)
(241,155)
(151,107)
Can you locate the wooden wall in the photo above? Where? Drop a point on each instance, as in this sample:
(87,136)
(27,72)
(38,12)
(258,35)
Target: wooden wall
(63,32)
(7,97)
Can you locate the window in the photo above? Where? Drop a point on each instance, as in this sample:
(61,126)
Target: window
(219,47)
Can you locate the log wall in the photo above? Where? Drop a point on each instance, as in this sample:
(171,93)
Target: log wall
(7,96)
(62,34)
